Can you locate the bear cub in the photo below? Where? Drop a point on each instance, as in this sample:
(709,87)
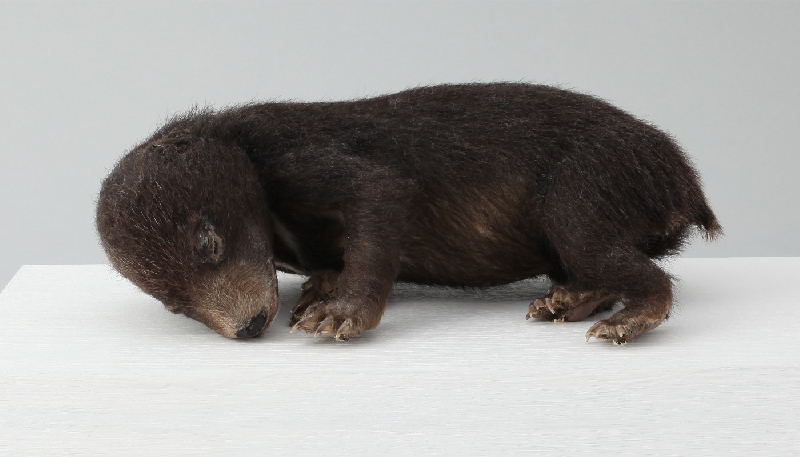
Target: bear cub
(457,185)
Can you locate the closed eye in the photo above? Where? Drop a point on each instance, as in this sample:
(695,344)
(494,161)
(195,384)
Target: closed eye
(210,245)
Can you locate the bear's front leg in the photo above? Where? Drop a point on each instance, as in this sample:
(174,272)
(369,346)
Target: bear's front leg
(375,218)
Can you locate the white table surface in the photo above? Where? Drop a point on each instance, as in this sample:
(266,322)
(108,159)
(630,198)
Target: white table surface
(90,365)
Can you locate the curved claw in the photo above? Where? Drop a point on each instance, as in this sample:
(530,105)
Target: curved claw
(595,331)
(302,324)
(326,326)
(535,308)
(343,333)
(602,330)
(548,302)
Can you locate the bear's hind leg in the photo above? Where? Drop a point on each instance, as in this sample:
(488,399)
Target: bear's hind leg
(644,289)
(640,315)
(593,223)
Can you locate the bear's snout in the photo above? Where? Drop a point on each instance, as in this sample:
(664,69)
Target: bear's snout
(256,326)
(236,301)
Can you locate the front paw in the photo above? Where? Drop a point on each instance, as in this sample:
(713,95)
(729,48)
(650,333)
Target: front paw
(337,318)
(320,287)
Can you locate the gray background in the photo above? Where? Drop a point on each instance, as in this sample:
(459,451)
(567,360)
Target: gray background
(82,82)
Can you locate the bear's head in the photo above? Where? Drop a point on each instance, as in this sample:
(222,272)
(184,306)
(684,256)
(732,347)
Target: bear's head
(186,220)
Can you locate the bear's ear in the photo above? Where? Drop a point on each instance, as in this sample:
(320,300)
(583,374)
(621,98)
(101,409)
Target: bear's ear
(210,246)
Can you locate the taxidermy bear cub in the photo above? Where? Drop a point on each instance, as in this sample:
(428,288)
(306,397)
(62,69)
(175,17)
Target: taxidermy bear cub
(457,185)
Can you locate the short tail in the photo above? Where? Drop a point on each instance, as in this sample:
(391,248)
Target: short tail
(707,221)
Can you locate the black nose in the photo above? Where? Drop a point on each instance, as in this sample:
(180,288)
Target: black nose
(255,326)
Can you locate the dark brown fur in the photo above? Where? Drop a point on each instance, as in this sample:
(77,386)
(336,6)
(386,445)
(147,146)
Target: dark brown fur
(458,185)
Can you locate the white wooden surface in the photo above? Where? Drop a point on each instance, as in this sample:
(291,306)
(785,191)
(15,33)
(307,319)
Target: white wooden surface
(89,365)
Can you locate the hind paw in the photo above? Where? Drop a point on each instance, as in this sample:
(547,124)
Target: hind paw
(624,326)
(605,330)
(560,304)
